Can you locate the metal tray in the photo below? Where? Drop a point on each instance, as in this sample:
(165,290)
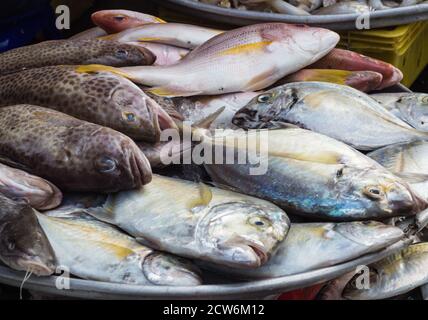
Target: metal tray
(378,19)
(87,289)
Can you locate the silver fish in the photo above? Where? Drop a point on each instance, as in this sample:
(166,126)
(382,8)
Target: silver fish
(344,7)
(335,110)
(93,250)
(409,107)
(196,221)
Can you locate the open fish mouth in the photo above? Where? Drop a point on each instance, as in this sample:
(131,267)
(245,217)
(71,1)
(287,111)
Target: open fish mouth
(262,255)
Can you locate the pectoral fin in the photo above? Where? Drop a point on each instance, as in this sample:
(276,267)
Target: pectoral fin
(411,177)
(319,157)
(204,199)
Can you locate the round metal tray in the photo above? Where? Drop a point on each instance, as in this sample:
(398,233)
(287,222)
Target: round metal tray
(378,19)
(87,289)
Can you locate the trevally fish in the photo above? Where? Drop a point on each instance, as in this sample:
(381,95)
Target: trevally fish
(409,107)
(312,246)
(309,174)
(337,111)
(23,244)
(93,250)
(74,52)
(196,221)
(394,275)
(246,59)
(39,193)
(73,154)
(102,98)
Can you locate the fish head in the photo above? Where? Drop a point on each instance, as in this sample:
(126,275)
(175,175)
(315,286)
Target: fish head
(117,158)
(138,115)
(166,270)
(305,40)
(267,110)
(243,234)
(372,234)
(415,107)
(120,55)
(23,244)
(378,192)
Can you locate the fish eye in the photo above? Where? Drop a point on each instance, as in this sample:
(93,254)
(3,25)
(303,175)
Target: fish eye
(264,98)
(129,117)
(373,192)
(259,222)
(424,99)
(339,173)
(106,164)
(119,18)
(121,53)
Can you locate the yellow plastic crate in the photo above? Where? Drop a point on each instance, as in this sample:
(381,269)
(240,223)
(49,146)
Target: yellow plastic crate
(404,46)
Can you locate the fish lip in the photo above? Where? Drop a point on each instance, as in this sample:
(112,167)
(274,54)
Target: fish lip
(38,268)
(260,252)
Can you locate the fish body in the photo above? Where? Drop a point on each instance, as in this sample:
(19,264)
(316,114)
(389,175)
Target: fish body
(346,114)
(394,275)
(409,107)
(73,52)
(97,251)
(73,154)
(39,193)
(309,174)
(102,98)
(364,81)
(344,7)
(245,59)
(114,21)
(165,54)
(196,221)
(312,246)
(175,34)
(23,245)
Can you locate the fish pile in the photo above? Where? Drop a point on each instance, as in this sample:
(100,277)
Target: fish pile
(84,183)
(314,7)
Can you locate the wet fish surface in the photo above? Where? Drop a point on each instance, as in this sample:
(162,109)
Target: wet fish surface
(73,154)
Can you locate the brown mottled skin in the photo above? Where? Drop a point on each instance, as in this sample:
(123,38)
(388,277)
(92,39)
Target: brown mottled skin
(73,154)
(73,52)
(23,244)
(102,98)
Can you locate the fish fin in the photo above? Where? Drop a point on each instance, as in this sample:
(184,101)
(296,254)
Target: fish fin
(103,212)
(94,68)
(8,162)
(320,157)
(204,199)
(171,92)
(412,177)
(260,82)
(206,122)
(284,125)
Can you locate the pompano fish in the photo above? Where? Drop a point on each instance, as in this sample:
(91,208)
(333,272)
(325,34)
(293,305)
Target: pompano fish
(394,275)
(73,154)
(74,52)
(39,193)
(176,34)
(102,98)
(113,21)
(23,245)
(352,61)
(309,174)
(89,34)
(408,160)
(337,111)
(312,246)
(245,59)
(361,80)
(165,54)
(409,107)
(97,251)
(344,7)
(196,221)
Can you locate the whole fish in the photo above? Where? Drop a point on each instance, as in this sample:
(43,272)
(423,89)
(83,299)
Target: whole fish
(408,160)
(73,154)
(364,81)
(39,193)
(165,54)
(89,34)
(196,221)
(409,107)
(97,251)
(337,111)
(74,52)
(113,21)
(102,98)
(23,245)
(348,60)
(246,59)
(344,7)
(312,246)
(309,174)
(394,275)
(176,34)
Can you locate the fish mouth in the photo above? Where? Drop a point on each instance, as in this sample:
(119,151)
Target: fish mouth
(140,167)
(148,56)
(36,267)
(407,201)
(262,255)
(51,201)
